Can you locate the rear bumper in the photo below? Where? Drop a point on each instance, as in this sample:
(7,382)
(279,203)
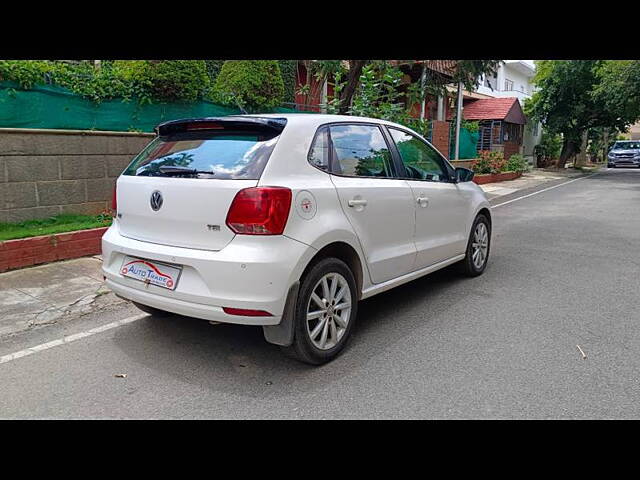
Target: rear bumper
(250,273)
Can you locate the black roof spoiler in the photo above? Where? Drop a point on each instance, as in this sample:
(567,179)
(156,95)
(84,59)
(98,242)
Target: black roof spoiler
(271,125)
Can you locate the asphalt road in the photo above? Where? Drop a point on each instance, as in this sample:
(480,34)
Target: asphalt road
(563,271)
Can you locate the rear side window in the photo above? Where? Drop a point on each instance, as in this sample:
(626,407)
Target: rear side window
(219,155)
(421,161)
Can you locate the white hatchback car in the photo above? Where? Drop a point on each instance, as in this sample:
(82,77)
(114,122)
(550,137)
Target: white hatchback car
(287,221)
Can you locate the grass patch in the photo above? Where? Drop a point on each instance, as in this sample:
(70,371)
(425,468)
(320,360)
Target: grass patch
(51,225)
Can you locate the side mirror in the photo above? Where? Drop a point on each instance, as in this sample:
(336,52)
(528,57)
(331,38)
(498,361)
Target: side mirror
(464,174)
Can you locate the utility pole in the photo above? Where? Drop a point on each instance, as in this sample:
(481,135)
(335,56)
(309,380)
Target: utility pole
(423,82)
(458,120)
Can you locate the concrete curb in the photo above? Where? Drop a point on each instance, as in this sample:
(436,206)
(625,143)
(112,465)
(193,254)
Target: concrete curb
(24,252)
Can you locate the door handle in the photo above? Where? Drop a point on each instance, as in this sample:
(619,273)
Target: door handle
(423,201)
(357,203)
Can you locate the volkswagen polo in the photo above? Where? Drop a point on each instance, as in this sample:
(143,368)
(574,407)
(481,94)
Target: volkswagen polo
(287,221)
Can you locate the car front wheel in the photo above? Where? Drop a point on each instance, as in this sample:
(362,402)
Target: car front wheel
(478,247)
(325,312)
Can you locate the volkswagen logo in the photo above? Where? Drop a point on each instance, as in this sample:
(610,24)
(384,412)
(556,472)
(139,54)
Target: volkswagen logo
(156,201)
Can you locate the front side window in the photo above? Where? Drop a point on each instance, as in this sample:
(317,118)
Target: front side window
(359,151)
(421,162)
(228,155)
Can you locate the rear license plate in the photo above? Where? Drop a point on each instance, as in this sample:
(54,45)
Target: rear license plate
(151,272)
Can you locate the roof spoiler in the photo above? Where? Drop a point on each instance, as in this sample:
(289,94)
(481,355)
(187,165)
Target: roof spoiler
(272,126)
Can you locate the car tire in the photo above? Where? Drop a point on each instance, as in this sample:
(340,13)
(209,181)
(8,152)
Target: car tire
(470,266)
(320,331)
(156,312)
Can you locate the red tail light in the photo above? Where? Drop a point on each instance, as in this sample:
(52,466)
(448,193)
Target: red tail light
(260,211)
(114,203)
(245,312)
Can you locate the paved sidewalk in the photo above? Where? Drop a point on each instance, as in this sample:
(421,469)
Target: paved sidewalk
(527,180)
(52,293)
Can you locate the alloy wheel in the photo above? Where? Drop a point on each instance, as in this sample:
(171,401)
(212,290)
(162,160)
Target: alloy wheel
(480,245)
(328,311)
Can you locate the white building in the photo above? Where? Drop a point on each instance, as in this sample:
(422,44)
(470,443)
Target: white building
(514,79)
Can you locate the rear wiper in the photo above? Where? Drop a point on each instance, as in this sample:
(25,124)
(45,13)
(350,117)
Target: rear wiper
(175,170)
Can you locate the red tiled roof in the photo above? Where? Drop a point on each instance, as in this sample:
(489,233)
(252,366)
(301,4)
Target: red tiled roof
(507,108)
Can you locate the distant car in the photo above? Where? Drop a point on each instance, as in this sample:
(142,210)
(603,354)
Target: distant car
(287,221)
(624,154)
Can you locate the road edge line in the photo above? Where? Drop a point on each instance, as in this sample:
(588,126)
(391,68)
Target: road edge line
(543,190)
(70,338)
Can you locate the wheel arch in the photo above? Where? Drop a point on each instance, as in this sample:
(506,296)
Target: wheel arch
(486,211)
(345,252)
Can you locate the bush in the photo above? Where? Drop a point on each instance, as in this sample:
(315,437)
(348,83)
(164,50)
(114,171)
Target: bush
(164,80)
(147,81)
(517,163)
(489,162)
(548,149)
(25,73)
(288,70)
(253,84)
(213,69)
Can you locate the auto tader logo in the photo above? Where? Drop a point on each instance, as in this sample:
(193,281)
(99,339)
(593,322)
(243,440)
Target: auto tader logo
(147,271)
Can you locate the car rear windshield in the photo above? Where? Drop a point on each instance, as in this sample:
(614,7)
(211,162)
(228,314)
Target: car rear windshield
(218,155)
(626,146)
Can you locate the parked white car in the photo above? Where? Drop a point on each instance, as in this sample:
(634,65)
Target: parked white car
(287,221)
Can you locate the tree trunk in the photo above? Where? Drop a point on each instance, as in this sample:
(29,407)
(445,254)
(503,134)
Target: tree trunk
(581,158)
(605,146)
(568,150)
(353,78)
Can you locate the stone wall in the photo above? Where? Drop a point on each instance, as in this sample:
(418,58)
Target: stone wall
(48,172)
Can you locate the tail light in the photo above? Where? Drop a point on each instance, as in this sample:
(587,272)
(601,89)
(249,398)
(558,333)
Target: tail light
(260,211)
(114,202)
(245,312)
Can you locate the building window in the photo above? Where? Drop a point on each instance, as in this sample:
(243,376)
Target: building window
(508,84)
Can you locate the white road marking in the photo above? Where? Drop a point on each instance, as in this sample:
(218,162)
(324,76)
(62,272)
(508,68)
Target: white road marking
(70,338)
(543,190)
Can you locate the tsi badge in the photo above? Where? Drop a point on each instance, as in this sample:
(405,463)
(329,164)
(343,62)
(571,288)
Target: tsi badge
(156,201)
(306,204)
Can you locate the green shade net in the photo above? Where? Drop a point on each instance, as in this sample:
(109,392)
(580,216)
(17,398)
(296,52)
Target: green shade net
(468,144)
(49,106)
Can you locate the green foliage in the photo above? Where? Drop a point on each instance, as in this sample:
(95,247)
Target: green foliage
(145,80)
(255,85)
(56,224)
(468,71)
(213,69)
(549,146)
(517,163)
(489,162)
(164,80)
(26,73)
(379,95)
(471,125)
(619,89)
(288,70)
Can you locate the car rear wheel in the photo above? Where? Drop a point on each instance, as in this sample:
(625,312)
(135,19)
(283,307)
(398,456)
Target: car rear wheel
(478,247)
(325,312)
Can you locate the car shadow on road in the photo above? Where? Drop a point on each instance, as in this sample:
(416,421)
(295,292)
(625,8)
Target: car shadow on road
(235,358)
